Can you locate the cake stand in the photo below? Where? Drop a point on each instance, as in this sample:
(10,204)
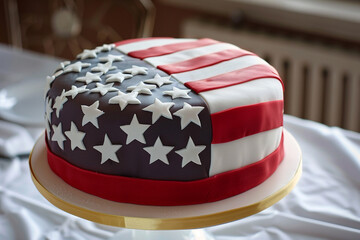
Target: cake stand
(141,217)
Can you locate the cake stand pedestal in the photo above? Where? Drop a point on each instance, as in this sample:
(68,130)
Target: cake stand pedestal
(133,216)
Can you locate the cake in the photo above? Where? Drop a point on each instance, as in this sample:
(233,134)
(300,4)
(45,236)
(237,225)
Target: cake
(164,121)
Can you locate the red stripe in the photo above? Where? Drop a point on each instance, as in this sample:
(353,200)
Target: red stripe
(203,61)
(171,48)
(239,122)
(234,78)
(167,193)
(127,41)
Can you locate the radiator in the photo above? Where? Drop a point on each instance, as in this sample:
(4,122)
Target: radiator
(322,82)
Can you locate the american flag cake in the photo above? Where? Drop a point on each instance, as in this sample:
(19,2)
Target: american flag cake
(164,121)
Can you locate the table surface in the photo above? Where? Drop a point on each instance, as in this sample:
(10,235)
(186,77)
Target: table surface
(324,205)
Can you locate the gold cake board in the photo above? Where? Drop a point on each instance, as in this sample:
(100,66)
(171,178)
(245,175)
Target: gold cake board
(133,216)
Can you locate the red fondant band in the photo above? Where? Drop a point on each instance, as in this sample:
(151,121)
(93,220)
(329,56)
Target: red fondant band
(239,122)
(171,48)
(233,78)
(167,193)
(127,41)
(203,61)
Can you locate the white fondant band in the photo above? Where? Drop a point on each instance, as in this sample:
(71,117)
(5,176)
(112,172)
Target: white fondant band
(256,91)
(220,68)
(145,44)
(244,151)
(189,54)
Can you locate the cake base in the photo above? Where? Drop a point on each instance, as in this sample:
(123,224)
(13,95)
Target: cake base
(133,216)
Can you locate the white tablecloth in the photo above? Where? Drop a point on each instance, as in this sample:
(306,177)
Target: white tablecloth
(324,205)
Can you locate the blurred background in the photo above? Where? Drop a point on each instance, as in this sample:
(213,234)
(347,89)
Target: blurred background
(315,45)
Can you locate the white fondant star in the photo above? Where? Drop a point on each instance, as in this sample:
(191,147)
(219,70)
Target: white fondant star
(112,58)
(105,48)
(177,93)
(98,49)
(123,99)
(76,67)
(108,150)
(91,113)
(136,70)
(59,102)
(158,152)
(191,153)
(58,73)
(104,68)
(90,77)
(76,137)
(158,80)
(74,91)
(117,77)
(142,88)
(62,65)
(104,89)
(189,114)
(48,81)
(87,54)
(135,130)
(49,109)
(159,109)
(48,129)
(58,136)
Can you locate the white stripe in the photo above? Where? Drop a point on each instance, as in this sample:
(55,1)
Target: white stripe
(252,92)
(145,44)
(220,68)
(189,54)
(244,151)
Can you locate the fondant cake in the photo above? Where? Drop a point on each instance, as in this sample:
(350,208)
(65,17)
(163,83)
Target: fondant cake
(164,121)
